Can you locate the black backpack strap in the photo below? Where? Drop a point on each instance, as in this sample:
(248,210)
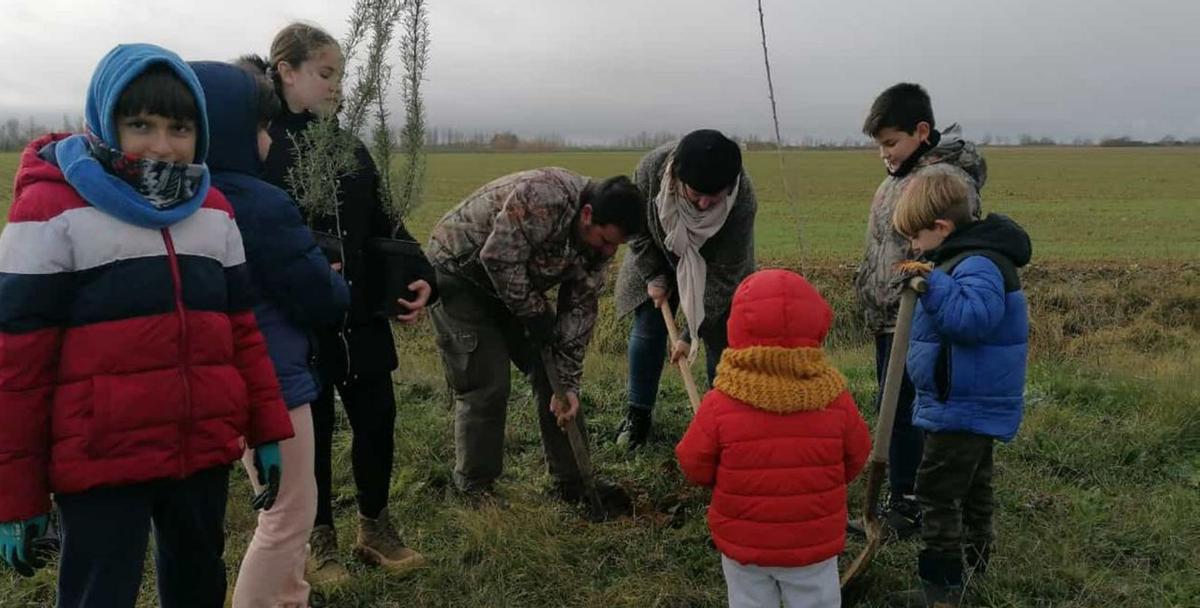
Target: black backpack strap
(1008,270)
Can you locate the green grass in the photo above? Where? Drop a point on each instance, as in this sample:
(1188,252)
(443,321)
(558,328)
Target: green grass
(1077,203)
(1097,496)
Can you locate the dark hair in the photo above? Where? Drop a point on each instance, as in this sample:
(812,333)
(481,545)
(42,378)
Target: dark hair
(158,90)
(902,106)
(267,101)
(707,161)
(617,201)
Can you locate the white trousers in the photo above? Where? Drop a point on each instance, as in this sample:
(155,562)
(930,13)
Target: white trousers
(812,586)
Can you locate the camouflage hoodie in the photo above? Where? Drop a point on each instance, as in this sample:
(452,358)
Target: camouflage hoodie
(875,280)
(515,238)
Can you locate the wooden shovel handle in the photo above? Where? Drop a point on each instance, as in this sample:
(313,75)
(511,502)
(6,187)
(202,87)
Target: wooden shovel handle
(684,369)
(579,448)
(895,369)
(876,469)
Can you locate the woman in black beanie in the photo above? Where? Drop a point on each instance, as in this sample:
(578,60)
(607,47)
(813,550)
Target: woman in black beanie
(699,247)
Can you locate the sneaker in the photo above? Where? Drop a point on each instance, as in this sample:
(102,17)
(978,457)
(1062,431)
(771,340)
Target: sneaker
(323,567)
(901,520)
(902,517)
(634,430)
(379,544)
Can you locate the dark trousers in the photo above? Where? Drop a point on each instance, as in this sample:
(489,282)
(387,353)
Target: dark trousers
(370,405)
(105,532)
(478,337)
(647,345)
(954,488)
(904,454)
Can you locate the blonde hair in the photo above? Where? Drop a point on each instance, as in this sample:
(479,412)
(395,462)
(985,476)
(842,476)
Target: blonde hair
(930,196)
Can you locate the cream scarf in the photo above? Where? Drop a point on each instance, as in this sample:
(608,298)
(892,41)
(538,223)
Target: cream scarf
(685,230)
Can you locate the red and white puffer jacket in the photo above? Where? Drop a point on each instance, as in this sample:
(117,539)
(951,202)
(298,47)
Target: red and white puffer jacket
(127,354)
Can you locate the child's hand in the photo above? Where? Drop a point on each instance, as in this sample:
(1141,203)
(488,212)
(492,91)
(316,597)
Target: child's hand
(914,268)
(16,544)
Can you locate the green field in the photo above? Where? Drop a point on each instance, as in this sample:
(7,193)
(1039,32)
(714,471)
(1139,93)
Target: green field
(1077,203)
(1097,497)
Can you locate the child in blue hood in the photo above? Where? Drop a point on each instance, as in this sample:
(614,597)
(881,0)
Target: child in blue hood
(300,295)
(970,335)
(132,370)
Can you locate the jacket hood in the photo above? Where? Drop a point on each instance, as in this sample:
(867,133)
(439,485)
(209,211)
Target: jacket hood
(955,150)
(995,233)
(232,95)
(123,65)
(778,308)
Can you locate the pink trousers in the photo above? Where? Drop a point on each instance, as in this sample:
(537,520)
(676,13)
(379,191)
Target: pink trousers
(272,572)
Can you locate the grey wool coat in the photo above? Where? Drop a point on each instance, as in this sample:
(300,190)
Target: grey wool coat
(729,254)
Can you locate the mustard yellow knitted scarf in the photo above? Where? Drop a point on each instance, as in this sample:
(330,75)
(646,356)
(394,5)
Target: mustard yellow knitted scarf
(777,379)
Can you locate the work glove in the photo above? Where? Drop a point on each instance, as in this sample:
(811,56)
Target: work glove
(16,543)
(268,464)
(913,268)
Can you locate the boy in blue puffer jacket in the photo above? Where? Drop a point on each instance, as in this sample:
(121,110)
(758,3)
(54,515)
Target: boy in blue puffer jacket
(967,355)
(300,294)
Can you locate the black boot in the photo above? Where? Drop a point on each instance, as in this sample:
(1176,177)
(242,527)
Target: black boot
(901,520)
(634,430)
(941,580)
(902,516)
(977,556)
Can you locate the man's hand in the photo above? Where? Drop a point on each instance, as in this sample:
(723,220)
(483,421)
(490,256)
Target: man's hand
(16,543)
(414,307)
(657,292)
(567,413)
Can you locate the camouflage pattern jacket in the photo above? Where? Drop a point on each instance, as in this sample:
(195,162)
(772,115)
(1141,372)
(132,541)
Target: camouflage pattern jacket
(514,238)
(875,281)
(729,254)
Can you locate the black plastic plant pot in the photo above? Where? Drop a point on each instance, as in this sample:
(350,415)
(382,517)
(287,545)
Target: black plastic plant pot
(402,261)
(330,244)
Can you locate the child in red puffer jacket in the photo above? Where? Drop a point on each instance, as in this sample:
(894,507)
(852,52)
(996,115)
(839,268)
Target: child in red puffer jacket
(778,439)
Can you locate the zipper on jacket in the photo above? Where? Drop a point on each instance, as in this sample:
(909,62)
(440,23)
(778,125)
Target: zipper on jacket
(177,281)
(341,334)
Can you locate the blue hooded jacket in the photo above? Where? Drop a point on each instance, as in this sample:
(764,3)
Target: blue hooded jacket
(970,333)
(100,188)
(300,291)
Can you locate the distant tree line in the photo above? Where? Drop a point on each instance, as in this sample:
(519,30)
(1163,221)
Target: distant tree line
(15,133)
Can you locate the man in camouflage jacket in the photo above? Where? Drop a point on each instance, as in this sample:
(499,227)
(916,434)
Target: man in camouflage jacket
(496,255)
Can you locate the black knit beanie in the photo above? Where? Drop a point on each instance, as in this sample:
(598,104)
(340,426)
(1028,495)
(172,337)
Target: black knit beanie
(707,161)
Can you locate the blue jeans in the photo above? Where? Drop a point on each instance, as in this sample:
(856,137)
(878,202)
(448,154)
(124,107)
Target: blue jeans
(904,455)
(647,353)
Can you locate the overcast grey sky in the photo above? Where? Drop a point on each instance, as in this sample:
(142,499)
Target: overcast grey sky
(596,70)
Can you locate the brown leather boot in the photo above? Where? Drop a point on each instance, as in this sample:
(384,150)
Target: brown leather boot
(323,567)
(379,544)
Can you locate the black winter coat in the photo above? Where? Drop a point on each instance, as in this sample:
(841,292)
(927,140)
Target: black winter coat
(363,345)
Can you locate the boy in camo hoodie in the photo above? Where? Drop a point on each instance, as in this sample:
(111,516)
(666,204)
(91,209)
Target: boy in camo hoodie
(901,122)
